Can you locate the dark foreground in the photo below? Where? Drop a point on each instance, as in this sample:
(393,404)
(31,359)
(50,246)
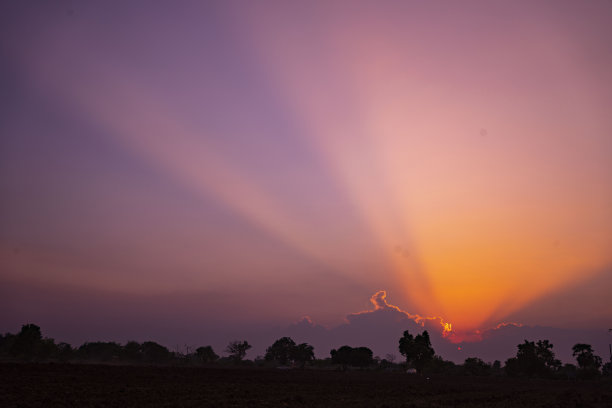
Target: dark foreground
(66,385)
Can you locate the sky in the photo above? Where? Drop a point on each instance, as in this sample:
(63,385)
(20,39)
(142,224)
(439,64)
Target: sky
(189,170)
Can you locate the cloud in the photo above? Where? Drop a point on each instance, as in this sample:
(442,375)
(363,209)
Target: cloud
(181,319)
(381,327)
(378,328)
(379,300)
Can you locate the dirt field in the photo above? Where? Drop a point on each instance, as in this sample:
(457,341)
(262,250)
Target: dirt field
(73,385)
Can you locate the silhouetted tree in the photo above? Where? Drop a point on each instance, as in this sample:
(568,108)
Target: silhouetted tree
(588,362)
(132,351)
(438,365)
(6,343)
(155,353)
(361,357)
(27,342)
(349,356)
(533,359)
(281,351)
(417,350)
(341,356)
(568,371)
(47,349)
(547,356)
(585,356)
(100,351)
(206,354)
(512,368)
(64,351)
(475,366)
(528,358)
(237,349)
(302,353)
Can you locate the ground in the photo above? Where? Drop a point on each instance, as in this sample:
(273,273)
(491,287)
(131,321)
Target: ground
(88,385)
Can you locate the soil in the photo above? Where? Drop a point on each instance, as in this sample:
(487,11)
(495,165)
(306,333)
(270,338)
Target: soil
(90,385)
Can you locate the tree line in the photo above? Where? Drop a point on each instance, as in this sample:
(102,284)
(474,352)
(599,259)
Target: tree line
(533,359)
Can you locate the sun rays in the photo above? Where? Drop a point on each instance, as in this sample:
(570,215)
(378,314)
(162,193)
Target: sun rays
(458,195)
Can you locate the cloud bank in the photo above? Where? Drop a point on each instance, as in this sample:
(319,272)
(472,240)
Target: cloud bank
(381,327)
(180,320)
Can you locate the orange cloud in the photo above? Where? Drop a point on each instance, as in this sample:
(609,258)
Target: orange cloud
(437,323)
(379,300)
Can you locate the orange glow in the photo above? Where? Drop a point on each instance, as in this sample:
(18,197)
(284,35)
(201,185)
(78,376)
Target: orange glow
(379,300)
(472,226)
(477,334)
(472,196)
(477,210)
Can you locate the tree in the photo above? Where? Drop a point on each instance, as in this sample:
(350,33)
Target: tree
(585,356)
(282,351)
(475,366)
(6,343)
(361,357)
(568,371)
(417,350)
(588,362)
(132,351)
(527,358)
(511,367)
(341,356)
(100,351)
(440,366)
(27,342)
(303,353)
(46,349)
(64,351)
(155,353)
(547,356)
(533,359)
(237,349)
(355,357)
(206,354)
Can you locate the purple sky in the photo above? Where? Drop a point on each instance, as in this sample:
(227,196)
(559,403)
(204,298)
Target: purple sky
(203,171)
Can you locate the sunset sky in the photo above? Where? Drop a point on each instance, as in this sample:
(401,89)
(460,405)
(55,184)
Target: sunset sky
(254,162)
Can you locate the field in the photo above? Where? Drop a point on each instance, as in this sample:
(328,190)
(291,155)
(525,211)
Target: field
(77,385)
